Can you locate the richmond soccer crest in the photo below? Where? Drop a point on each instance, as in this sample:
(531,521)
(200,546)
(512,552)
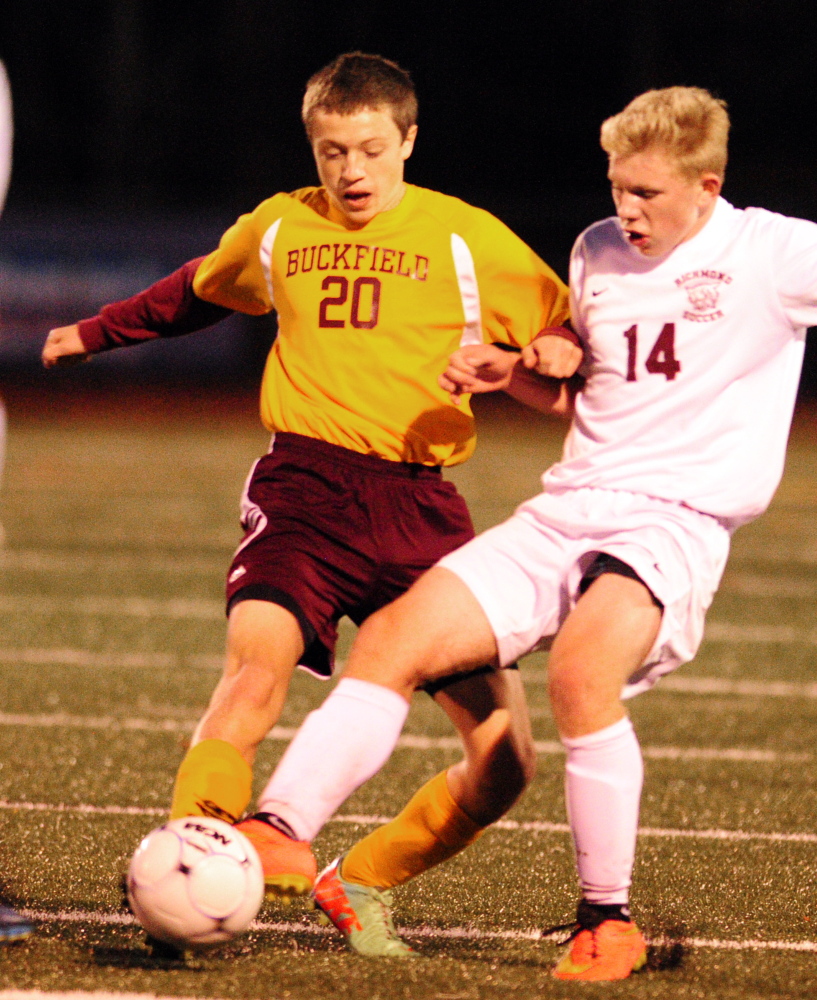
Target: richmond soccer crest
(703,290)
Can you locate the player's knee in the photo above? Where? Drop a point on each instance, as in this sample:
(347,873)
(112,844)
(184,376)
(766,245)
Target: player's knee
(383,653)
(572,694)
(570,682)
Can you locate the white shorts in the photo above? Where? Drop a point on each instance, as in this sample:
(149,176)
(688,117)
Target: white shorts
(526,572)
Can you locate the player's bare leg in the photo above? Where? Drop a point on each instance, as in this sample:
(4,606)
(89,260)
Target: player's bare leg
(603,641)
(491,717)
(264,643)
(435,629)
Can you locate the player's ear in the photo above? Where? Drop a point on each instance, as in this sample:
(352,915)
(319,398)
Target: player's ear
(711,185)
(408,143)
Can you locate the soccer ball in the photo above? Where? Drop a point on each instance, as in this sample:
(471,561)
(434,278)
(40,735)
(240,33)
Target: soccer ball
(195,881)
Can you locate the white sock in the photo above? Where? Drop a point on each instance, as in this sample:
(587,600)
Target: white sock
(603,779)
(338,747)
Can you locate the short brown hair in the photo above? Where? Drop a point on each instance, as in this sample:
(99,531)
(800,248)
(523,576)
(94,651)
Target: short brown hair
(355,81)
(687,122)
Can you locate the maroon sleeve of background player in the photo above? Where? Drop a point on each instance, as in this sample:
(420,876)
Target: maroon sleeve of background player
(169,308)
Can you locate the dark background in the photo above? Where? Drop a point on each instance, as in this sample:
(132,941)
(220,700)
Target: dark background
(143,128)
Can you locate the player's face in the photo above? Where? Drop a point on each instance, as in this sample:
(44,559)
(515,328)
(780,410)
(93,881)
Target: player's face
(360,159)
(657,206)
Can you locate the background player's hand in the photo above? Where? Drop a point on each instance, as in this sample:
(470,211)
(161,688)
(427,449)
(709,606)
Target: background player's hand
(64,346)
(477,368)
(552,355)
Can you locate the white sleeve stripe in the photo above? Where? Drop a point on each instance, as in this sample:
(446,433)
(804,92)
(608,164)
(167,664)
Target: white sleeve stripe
(265,253)
(469,291)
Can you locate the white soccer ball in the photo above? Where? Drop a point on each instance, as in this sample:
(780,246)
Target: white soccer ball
(195,881)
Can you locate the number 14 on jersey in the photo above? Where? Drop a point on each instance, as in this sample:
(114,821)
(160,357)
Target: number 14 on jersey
(660,361)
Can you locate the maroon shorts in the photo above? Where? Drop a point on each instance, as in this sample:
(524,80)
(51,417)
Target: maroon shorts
(331,532)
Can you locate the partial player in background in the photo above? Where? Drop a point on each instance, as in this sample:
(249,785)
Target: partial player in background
(375,283)
(13,927)
(693,315)
(6,145)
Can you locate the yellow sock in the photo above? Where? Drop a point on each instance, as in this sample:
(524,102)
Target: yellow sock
(430,829)
(213,780)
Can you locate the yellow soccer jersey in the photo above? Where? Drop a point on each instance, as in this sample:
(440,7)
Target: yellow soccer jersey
(367,318)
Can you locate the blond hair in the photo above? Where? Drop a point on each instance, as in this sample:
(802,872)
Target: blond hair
(356,80)
(688,123)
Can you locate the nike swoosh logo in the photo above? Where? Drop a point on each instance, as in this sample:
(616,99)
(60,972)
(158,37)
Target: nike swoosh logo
(599,291)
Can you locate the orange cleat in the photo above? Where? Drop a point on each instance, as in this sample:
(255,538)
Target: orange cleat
(602,949)
(289,865)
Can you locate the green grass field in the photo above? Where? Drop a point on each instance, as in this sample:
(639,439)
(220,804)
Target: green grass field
(121,515)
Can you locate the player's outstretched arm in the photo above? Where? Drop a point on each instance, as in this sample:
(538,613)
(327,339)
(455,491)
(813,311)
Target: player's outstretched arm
(477,368)
(168,308)
(64,346)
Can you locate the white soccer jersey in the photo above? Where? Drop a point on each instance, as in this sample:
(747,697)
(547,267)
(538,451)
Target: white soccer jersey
(693,361)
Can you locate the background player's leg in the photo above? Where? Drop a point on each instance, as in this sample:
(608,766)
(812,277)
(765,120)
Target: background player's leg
(264,644)
(604,640)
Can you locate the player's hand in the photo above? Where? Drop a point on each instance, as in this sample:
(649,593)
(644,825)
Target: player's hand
(552,355)
(477,368)
(64,346)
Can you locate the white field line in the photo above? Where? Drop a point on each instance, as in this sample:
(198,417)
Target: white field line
(681,683)
(752,585)
(205,609)
(407,741)
(428,933)
(722,686)
(787,635)
(85,658)
(149,561)
(81,995)
(171,661)
(511,825)
(781,550)
(197,609)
